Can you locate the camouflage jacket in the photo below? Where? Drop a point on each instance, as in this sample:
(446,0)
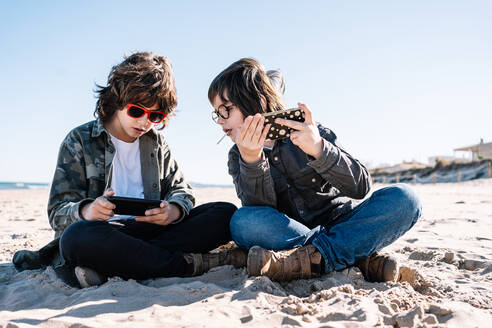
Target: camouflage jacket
(84,168)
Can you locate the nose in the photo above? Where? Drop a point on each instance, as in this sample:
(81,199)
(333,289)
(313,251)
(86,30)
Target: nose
(144,119)
(220,120)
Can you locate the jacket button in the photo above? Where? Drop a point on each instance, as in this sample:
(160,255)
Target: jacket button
(275,158)
(313,180)
(152,155)
(154,185)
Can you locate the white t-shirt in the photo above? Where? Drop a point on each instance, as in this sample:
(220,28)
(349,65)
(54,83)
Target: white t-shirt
(127,174)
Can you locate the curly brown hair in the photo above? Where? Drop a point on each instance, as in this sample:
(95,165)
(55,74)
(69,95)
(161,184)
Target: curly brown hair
(143,78)
(244,83)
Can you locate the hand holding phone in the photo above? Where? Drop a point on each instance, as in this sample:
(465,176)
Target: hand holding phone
(163,215)
(133,206)
(251,138)
(278,131)
(304,135)
(99,209)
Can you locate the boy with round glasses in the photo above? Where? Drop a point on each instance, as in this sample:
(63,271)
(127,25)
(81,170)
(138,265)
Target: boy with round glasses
(120,153)
(300,216)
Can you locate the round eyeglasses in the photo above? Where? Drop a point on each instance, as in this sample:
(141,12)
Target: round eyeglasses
(222,111)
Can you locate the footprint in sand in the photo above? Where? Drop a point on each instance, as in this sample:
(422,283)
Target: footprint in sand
(407,275)
(421,255)
(472,265)
(246,314)
(448,257)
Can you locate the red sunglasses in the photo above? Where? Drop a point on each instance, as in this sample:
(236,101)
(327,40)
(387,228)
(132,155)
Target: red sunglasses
(136,111)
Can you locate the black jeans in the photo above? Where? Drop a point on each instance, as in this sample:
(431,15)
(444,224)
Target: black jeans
(140,250)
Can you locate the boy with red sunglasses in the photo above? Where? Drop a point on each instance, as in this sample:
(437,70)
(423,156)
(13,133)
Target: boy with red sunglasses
(120,153)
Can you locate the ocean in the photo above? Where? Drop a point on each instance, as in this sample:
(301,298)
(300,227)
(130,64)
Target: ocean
(23,185)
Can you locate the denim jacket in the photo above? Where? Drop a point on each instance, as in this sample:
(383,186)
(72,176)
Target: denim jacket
(84,168)
(311,191)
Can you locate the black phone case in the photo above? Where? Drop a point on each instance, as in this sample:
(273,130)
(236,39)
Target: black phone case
(278,131)
(133,206)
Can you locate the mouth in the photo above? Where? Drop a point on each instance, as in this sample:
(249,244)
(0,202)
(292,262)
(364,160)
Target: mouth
(139,131)
(227,131)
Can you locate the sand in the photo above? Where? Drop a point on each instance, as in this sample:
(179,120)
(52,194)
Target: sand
(446,278)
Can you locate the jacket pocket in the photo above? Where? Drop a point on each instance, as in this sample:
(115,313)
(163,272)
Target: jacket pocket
(95,180)
(311,186)
(307,178)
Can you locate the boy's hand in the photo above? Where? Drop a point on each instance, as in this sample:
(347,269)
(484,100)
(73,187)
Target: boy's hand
(252,138)
(306,135)
(100,208)
(166,214)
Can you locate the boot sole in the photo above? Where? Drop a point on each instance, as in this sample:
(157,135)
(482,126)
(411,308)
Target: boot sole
(88,277)
(390,269)
(255,261)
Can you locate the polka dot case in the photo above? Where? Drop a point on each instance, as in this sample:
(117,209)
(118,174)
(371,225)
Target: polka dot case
(278,131)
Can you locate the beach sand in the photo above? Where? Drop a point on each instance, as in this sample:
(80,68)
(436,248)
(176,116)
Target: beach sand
(447,278)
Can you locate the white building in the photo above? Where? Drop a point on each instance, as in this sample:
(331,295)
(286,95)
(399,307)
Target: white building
(479,151)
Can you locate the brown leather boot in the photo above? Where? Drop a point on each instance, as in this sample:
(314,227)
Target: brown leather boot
(204,262)
(297,263)
(379,268)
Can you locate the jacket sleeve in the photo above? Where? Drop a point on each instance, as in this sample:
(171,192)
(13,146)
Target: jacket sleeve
(340,169)
(174,187)
(68,190)
(253,181)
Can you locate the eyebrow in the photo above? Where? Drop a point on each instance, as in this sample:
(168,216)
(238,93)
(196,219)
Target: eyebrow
(225,100)
(148,108)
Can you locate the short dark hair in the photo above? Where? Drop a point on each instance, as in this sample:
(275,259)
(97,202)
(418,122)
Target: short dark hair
(143,78)
(244,83)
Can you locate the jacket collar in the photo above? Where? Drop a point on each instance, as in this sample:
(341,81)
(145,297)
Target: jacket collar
(98,128)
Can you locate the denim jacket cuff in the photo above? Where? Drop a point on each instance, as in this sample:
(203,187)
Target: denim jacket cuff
(329,156)
(254,170)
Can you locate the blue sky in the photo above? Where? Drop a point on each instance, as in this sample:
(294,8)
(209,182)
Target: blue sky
(395,80)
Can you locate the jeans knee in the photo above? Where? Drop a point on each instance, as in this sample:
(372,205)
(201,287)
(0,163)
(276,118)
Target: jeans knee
(246,223)
(405,199)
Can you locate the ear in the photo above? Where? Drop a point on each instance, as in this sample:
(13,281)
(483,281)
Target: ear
(263,102)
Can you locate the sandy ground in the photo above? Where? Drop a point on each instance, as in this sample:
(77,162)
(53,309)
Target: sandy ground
(447,278)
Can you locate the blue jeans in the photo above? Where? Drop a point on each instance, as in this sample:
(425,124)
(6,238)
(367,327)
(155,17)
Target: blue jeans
(370,226)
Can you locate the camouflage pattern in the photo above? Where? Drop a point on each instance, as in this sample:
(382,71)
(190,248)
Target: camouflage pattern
(83,172)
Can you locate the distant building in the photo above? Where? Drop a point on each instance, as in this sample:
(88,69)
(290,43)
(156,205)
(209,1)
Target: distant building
(479,151)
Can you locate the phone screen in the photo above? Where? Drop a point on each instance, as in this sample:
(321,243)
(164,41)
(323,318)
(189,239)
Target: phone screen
(133,206)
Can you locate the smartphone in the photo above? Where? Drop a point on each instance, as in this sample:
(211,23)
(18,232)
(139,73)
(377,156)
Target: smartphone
(133,206)
(278,131)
